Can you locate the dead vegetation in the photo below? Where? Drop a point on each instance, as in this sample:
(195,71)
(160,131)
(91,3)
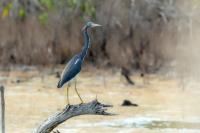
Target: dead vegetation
(136,34)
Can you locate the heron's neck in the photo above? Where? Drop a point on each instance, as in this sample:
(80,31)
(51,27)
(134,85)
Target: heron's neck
(86,43)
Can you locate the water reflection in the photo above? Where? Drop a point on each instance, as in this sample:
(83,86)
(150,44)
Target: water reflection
(141,122)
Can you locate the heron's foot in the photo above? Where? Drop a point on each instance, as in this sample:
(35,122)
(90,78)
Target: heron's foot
(96,97)
(57,131)
(68,105)
(81,103)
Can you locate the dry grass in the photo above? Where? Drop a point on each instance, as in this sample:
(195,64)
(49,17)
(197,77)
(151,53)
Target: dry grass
(136,34)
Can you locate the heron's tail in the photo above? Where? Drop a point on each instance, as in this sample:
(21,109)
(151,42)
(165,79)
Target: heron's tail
(59,84)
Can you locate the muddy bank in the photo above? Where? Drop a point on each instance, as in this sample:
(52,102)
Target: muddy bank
(163,105)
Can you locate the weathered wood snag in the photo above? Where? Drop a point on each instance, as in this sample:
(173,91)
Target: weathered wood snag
(2,110)
(91,108)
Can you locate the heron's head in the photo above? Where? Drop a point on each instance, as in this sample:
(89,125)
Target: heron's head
(91,25)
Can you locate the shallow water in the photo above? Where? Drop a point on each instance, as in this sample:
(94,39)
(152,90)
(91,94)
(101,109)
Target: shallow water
(163,105)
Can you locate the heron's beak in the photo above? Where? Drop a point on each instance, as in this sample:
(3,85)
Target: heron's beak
(95,25)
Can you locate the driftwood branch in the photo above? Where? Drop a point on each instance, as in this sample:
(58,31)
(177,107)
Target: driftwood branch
(2,117)
(92,108)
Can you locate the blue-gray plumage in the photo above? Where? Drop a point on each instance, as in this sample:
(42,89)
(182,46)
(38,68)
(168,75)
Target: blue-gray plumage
(73,67)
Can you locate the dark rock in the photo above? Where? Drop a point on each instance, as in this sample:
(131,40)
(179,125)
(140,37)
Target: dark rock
(18,81)
(128,103)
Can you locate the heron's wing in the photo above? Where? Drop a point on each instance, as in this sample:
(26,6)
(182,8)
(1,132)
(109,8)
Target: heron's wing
(70,70)
(65,71)
(68,66)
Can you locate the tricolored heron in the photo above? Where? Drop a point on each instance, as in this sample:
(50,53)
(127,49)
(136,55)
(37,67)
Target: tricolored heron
(73,67)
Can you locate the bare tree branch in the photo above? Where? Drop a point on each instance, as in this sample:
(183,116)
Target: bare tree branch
(92,108)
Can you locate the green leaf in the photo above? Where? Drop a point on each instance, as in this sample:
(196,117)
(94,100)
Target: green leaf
(72,3)
(22,13)
(6,10)
(43,18)
(48,3)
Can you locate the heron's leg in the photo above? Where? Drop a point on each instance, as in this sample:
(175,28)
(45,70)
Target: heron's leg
(67,94)
(77,92)
(68,85)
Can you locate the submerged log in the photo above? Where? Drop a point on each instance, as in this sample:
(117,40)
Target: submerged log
(91,108)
